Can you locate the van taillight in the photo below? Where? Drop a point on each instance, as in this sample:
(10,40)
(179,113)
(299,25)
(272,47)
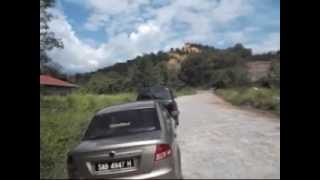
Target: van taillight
(162,151)
(172,107)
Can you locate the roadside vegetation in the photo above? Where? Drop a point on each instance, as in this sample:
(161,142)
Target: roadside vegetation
(63,120)
(185,92)
(264,94)
(257,97)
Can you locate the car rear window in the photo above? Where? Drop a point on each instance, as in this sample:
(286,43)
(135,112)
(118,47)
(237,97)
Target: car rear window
(154,93)
(144,96)
(161,93)
(123,123)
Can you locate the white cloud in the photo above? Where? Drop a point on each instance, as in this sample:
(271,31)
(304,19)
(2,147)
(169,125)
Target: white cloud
(90,42)
(77,56)
(229,10)
(270,43)
(235,37)
(81,55)
(96,21)
(134,27)
(112,7)
(103,10)
(251,29)
(144,30)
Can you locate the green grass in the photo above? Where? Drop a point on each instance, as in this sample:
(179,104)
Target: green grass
(63,120)
(257,97)
(185,91)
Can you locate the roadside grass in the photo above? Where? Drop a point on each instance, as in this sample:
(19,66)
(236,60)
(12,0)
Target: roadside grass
(185,91)
(63,120)
(257,97)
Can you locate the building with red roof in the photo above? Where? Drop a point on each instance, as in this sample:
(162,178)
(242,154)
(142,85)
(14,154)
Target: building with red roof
(51,85)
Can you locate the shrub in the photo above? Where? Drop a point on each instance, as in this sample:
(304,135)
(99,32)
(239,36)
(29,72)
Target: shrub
(274,76)
(261,98)
(185,91)
(229,77)
(63,120)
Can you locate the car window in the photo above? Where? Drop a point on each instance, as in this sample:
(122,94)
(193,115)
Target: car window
(142,97)
(161,93)
(144,94)
(123,123)
(166,117)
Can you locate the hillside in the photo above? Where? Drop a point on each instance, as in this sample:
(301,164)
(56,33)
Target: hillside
(258,70)
(192,65)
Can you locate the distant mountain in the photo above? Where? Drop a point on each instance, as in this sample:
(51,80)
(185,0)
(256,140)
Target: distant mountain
(173,60)
(171,66)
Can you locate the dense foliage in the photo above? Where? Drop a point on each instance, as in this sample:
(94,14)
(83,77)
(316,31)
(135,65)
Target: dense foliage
(63,120)
(274,76)
(48,41)
(211,67)
(260,98)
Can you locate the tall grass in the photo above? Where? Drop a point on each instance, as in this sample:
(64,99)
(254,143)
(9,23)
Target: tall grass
(261,98)
(63,120)
(185,91)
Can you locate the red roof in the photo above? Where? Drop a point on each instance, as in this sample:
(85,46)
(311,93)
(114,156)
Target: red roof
(50,81)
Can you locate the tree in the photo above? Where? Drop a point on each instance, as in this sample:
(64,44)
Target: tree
(241,51)
(53,69)
(211,67)
(103,83)
(174,81)
(229,77)
(196,69)
(146,73)
(48,41)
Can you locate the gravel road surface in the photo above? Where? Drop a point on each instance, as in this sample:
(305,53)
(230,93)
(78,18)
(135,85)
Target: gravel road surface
(218,140)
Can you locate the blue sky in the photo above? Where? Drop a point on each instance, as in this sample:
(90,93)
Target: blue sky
(99,33)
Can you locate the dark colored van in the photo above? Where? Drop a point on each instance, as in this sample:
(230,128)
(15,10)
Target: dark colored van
(164,95)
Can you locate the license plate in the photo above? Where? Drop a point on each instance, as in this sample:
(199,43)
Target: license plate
(121,164)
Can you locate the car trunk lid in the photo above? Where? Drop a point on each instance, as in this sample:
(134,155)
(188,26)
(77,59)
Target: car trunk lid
(137,149)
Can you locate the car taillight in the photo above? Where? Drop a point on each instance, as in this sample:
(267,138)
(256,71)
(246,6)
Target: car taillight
(162,151)
(171,107)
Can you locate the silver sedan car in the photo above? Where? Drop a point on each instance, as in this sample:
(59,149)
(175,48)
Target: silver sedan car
(135,140)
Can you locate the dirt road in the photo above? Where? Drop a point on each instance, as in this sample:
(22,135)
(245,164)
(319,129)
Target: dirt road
(218,140)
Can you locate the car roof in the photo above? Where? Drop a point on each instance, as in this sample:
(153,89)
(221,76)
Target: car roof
(128,106)
(146,89)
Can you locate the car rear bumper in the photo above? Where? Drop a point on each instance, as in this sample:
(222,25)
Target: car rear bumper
(165,173)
